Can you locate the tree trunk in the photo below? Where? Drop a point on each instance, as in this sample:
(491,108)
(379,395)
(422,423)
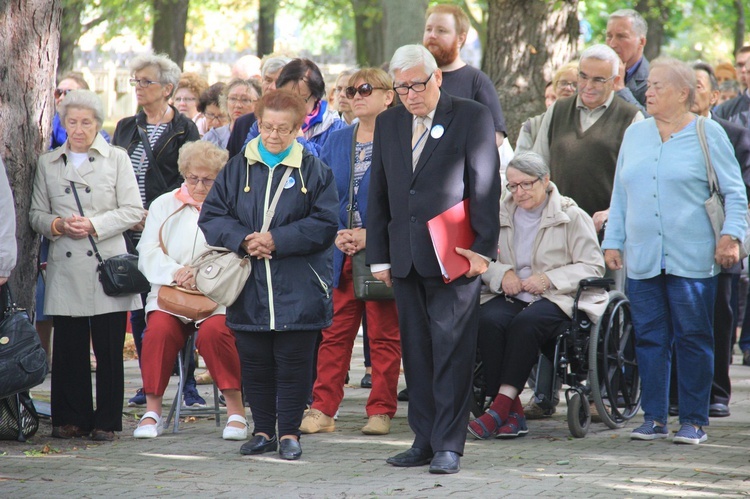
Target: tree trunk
(527,40)
(28,56)
(70,33)
(368,21)
(403,24)
(739,26)
(266,26)
(170,25)
(656,14)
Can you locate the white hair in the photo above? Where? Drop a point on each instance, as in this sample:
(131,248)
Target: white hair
(637,22)
(82,99)
(412,56)
(601,52)
(169,72)
(530,163)
(273,64)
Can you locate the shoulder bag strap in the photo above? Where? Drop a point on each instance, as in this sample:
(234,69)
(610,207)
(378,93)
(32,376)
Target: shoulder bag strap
(272,207)
(713,182)
(152,163)
(80,210)
(161,239)
(350,206)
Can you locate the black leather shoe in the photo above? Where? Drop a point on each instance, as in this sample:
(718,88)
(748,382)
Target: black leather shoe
(445,462)
(718,410)
(366,381)
(258,445)
(403,395)
(290,449)
(412,457)
(674,410)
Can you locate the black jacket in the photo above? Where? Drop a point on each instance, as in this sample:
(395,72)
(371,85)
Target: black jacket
(180,131)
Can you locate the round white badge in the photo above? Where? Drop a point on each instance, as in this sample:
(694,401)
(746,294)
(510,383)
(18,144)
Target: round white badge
(289,183)
(437,131)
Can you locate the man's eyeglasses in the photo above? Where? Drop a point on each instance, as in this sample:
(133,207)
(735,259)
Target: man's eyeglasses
(596,80)
(268,129)
(215,117)
(193,180)
(143,82)
(240,100)
(420,86)
(365,90)
(59,92)
(526,186)
(567,84)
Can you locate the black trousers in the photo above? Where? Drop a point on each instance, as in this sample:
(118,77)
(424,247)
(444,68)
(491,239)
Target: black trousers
(511,334)
(438,325)
(277,377)
(71,371)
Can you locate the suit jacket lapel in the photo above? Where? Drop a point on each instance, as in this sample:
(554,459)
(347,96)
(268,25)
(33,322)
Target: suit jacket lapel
(443,117)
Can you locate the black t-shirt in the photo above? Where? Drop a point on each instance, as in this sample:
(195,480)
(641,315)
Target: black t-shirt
(470,83)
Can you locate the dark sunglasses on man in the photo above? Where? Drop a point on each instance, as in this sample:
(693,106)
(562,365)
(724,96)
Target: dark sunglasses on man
(365,90)
(59,92)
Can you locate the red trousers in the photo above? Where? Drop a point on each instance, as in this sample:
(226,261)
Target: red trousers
(335,351)
(165,335)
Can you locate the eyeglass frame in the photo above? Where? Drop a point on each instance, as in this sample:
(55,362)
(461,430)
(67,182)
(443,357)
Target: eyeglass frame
(268,129)
(596,80)
(525,186)
(566,83)
(193,180)
(215,117)
(185,99)
(139,82)
(399,89)
(365,90)
(244,102)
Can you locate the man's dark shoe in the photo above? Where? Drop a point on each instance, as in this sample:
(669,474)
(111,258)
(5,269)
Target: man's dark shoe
(445,462)
(674,410)
(290,449)
(258,445)
(403,395)
(718,410)
(366,381)
(412,457)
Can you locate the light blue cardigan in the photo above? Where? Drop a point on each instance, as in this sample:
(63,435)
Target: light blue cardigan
(657,214)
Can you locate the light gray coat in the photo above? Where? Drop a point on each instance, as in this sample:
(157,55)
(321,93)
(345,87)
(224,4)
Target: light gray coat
(109,195)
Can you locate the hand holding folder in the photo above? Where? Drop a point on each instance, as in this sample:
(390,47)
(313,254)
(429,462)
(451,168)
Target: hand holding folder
(449,230)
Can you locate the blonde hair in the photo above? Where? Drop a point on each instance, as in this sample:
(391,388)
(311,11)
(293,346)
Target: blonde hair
(201,153)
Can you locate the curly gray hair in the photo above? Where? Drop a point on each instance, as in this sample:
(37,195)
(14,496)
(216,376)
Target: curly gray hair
(169,72)
(82,99)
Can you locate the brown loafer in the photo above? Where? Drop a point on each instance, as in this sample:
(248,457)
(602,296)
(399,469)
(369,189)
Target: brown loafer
(68,431)
(102,436)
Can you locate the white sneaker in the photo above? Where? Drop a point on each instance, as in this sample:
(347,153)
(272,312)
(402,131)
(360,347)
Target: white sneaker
(232,433)
(149,430)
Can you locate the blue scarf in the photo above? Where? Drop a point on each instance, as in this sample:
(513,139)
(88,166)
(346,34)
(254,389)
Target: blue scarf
(270,159)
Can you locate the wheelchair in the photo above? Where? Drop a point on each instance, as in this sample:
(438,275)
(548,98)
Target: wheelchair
(597,362)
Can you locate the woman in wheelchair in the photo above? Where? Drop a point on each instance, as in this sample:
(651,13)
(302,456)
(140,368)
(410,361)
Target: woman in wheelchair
(547,245)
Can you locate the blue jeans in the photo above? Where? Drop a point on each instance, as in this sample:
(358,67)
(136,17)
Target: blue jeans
(670,310)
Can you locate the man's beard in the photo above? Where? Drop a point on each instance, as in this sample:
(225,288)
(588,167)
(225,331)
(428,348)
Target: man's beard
(444,56)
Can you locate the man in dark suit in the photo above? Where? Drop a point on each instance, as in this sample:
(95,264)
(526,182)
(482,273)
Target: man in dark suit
(428,155)
(626,35)
(706,95)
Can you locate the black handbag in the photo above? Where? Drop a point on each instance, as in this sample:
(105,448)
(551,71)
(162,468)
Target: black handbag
(119,274)
(23,361)
(366,287)
(18,417)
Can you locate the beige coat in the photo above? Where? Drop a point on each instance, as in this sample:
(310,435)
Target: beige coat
(109,195)
(566,250)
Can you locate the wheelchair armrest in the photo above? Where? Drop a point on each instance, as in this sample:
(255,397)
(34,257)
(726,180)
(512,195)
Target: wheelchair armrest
(597,282)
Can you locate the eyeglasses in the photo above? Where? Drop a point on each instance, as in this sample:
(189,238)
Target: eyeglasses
(215,117)
(143,82)
(567,84)
(59,92)
(596,80)
(185,99)
(365,90)
(268,129)
(243,100)
(526,186)
(420,86)
(193,180)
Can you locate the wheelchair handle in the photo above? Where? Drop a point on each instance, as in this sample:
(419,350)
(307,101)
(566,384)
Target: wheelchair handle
(596,282)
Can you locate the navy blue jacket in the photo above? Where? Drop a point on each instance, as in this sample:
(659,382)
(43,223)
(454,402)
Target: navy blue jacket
(292,290)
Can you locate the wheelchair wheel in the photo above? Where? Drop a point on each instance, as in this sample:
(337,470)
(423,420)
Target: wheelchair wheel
(579,414)
(613,368)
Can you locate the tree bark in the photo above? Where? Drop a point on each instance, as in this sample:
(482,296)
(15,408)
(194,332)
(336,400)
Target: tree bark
(403,24)
(28,57)
(527,40)
(368,21)
(70,33)
(170,25)
(656,14)
(266,26)
(739,26)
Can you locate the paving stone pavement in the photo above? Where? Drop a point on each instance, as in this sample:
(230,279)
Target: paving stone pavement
(346,464)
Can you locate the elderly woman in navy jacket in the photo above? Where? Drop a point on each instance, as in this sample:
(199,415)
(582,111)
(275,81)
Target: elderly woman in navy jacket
(287,300)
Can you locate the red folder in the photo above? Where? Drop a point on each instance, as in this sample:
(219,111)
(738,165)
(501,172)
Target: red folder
(451,229)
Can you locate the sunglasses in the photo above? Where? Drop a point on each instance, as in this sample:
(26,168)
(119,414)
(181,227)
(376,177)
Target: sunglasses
(59,92)
(365,90)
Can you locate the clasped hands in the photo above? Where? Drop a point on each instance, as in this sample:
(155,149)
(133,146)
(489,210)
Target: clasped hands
(535,284)
(185,277)
(74,226)
(478,265)
(260,245)
(351,241)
